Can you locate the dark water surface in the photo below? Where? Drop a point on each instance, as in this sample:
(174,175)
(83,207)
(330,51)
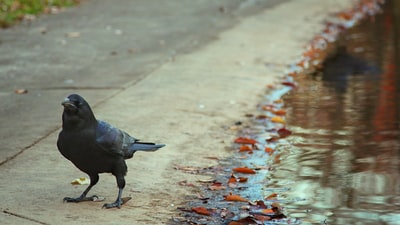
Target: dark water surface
(344,166)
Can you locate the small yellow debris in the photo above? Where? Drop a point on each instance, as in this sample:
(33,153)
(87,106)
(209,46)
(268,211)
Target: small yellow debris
(277,119)
(80,181)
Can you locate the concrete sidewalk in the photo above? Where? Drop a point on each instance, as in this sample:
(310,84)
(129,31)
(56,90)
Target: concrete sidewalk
(185,97)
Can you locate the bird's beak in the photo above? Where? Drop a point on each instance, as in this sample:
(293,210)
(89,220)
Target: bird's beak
(68,104)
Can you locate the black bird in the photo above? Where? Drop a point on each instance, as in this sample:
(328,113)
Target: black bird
(95,146)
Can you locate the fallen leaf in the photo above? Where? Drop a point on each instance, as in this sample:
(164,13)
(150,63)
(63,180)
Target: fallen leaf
(269,150)
(201,211)
(290,84)
(232,179)
(272,197)
(244,221)
(262,117)
(245,148)
(243,140)
(262,218)
(267,211)
(277,119)
(216,186)
(283,132)
(244,170)
(21,91)
(280,112)
(235,198)
(277,159)
(80,181)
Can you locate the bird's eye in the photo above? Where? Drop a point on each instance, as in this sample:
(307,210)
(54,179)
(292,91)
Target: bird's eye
(77,103)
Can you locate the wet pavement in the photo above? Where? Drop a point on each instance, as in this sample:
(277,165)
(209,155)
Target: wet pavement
(344,163)
(325,146)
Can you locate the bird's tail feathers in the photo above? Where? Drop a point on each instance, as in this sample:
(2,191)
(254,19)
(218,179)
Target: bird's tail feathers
(145,146)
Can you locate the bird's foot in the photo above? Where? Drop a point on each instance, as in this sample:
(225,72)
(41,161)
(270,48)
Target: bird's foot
(116,204)
(81,199)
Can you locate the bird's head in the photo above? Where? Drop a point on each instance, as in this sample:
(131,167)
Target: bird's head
(77,112)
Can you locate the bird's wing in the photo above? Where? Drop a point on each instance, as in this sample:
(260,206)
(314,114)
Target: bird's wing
(112,139)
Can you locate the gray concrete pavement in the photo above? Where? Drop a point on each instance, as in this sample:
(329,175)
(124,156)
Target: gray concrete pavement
(97,48)
(182,87)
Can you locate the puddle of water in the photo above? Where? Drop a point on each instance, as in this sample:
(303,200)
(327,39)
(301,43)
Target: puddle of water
(344,163)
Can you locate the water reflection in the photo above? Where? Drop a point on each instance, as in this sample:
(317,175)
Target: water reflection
(344,167)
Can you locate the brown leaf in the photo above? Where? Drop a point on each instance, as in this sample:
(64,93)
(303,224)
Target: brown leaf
(272,197)
(262,117)
(244,221)
(235,198)
(216,186)
(283,132)
(245,148)
(201,211)
(290,84)
(244,170)
(243,140)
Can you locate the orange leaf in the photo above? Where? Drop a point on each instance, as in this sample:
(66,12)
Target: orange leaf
(201,211)
(280,112)
(243,140)
(272,196)
(277,119)
(268,211)
(245,148)
(244,170)
(269,150)
(232,179)
(235,198)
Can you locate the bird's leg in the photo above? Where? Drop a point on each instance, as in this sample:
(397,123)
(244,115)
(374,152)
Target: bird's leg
(118,202)
(93,181)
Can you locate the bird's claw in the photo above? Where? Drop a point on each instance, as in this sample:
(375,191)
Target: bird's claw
(116,204)
(81,199)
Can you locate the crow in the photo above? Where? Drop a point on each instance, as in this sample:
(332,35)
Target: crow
(94,146)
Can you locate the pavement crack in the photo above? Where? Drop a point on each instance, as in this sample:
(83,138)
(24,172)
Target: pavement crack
(24,217)
(29,146)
